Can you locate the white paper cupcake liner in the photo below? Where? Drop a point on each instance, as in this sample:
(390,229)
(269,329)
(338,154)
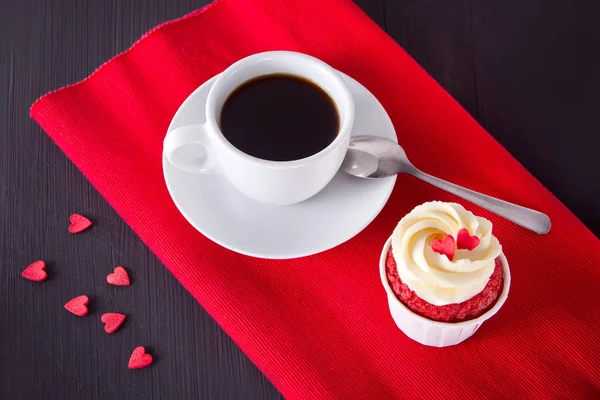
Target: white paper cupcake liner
(433,333)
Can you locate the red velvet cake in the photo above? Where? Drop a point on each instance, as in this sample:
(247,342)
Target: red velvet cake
(457,312)
(444,263)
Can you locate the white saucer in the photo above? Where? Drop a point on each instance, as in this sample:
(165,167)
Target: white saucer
(337,213)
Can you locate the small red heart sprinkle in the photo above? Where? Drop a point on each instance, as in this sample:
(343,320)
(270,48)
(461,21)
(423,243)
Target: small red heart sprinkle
(445,246)
(139,358)
(79,223)
(78,305)
(119,277)
(35,272)
(112,321)
(464,241)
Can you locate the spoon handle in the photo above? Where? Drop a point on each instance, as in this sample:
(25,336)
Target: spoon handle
(525,217)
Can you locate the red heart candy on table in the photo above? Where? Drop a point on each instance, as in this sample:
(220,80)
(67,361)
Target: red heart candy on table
(35,272)
(464,241)
(79,223)
(119,277)
(78,305)
(112,321)
(445,246)
(139,358)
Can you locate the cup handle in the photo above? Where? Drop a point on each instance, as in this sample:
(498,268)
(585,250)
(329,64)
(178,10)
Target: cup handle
(188,148)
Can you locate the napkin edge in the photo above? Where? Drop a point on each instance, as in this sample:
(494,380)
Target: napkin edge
(33,109)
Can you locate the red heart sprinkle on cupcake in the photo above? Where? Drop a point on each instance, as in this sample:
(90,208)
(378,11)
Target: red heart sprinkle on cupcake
(79,223)
(139,358)
(78,305)
(112,321)
(445,246)
(35,272)
(119,277)
(464,241)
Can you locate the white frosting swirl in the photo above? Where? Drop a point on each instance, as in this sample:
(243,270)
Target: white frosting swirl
(432,276)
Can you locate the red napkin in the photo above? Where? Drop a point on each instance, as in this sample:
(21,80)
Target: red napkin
(319,327)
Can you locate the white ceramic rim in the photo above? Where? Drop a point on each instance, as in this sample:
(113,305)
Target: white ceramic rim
(479,320)
(346,122)
(165,163)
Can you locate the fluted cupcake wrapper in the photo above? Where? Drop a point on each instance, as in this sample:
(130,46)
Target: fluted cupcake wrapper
(434,333)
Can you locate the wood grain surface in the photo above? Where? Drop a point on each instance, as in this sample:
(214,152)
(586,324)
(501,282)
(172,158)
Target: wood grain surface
(528,71)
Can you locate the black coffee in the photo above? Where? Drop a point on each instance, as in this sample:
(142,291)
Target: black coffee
(279,118)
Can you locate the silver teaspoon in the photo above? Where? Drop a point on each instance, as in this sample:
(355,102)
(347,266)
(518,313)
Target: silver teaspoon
(375,157)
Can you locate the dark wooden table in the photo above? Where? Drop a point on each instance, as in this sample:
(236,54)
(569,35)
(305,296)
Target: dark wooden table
(528,71)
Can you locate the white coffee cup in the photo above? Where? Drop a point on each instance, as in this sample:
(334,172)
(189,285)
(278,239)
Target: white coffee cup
(203,148)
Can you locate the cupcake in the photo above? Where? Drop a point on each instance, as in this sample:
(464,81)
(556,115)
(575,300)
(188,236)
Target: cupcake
(444,273)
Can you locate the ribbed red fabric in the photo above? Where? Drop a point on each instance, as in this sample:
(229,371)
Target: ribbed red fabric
(319,327)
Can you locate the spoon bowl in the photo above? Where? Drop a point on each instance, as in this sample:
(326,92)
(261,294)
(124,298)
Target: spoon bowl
(368,158)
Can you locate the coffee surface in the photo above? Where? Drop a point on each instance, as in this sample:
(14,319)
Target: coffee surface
(279,118)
